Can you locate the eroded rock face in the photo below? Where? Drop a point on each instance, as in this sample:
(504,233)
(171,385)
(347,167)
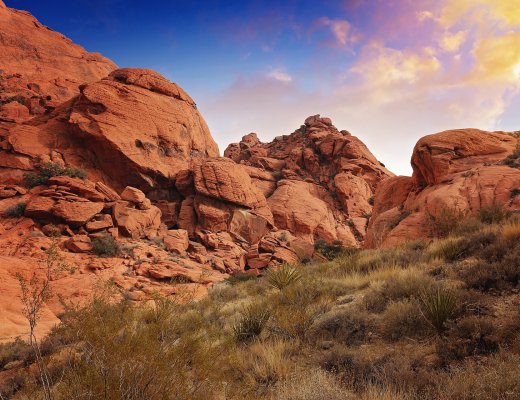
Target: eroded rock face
(142,128)
(318,181)
(460,170)
(132,128)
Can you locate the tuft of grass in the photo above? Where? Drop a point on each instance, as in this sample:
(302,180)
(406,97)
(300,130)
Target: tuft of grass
(511,230)
(438,305)
(283,276)
(267,362)
(315,384)
(492,214)
(106,246)
(15,211)
(449,249)
(49,169)
(251,322)
(402,319)
(446,220)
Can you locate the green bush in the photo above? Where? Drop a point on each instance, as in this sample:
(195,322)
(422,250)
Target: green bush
(15,211)
(106,246)
(438,305)
(283,276)
(329,250)
(49,169)
(251,322)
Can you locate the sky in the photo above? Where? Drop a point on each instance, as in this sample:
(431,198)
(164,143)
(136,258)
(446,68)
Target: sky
(388,71)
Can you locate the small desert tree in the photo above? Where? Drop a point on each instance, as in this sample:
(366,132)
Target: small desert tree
(34,293)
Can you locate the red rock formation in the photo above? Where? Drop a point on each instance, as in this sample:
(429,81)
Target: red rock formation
(318,181)
(186,217)
(40,68)
(459,170)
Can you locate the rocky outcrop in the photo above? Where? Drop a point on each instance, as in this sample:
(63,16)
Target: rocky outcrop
(318,181)
(458,172)
(437,156)
(141,128)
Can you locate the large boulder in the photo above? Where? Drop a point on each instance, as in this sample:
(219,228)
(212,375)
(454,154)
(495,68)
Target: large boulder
(143,124)
(437,156)
(136,223)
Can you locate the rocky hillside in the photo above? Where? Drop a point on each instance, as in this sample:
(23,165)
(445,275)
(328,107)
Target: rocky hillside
(114,173)
(457,174)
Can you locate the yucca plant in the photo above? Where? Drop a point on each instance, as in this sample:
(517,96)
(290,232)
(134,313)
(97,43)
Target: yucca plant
(251,322)
(438,305)
(283,276)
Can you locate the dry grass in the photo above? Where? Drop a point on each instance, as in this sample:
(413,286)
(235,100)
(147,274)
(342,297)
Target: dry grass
(353,327)
(313,385)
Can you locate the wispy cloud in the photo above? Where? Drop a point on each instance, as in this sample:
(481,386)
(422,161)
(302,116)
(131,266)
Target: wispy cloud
(341,30)
(280,75)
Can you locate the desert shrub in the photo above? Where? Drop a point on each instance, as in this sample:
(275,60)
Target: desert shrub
(341,325)
(470,336)
(18,350)
(106,246)
(49,169)
(266,363)
(15,211)
(283,276)
(511,230)
(408,284)
(513,160)
(495,378)
(467,227)
(296,308)
(329,250)
(449,249)
(223,292)
(313,385)
(496,251)
(447,220)
(438,305)
(491,214)
(515,192)
(240,277)
(401,319)
(485,276)
(251,322)
(480,275)
(139,353)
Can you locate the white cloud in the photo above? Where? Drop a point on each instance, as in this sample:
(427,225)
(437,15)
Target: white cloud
(280,75)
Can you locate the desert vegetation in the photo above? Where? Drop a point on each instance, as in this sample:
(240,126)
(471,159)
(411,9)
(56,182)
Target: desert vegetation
(48,170)
(436,320)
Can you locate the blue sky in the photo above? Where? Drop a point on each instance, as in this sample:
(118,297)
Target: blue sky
(389,71)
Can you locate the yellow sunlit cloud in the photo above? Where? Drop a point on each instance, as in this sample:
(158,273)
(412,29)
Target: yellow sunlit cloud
(451,42)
